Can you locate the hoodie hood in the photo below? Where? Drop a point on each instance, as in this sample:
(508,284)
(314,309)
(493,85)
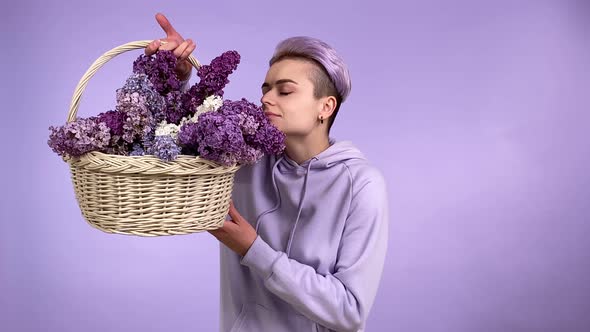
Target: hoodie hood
(336,153)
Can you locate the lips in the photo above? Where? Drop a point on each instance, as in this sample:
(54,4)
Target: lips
(269,114)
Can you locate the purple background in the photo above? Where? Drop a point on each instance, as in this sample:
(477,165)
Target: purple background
(476,112)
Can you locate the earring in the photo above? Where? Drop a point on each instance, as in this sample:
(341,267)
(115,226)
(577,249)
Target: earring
(321,119)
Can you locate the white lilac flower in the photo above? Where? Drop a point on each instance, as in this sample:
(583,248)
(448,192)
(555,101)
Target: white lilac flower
(210,104)
(167,129)
(188,119)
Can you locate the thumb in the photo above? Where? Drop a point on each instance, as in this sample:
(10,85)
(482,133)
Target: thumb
(166,26)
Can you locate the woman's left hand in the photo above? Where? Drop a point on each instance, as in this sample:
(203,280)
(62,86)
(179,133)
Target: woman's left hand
(174,42)
(237,233)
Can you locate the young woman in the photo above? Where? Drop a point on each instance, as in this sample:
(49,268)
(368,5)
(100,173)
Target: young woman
(306,250)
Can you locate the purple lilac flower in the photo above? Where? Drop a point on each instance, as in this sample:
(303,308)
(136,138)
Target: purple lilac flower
(175,109)
(188,138)
(79,137)
(137,150)
(148,139)
(131,97)
(118,146)
(192,99)
(214,76)
(250,155)
(219,138)
(139,90)
(269,139)
(238,132)
(248,124)
(165,148)
(213,79)
(258,131)
(139,123)
(114,120)
(160,70)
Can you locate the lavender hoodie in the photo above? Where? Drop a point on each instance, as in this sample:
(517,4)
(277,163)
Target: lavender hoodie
(322,237)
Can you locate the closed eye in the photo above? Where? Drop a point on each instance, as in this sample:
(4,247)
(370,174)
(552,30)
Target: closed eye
(285,93)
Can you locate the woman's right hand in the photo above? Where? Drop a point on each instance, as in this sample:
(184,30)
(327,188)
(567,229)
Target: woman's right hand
(175,43)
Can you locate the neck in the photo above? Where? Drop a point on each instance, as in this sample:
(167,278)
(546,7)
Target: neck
(302,148)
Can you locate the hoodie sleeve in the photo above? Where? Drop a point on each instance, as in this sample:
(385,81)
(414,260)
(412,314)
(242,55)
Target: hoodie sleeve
(339,301)
(184,86)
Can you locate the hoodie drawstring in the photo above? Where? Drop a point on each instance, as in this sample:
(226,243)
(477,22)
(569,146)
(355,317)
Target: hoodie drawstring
(290,241)
(274,208)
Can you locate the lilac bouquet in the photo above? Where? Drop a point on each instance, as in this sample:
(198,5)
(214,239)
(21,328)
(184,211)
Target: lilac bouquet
(154,116)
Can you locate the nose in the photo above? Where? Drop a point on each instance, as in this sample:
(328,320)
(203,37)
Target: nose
(265,100)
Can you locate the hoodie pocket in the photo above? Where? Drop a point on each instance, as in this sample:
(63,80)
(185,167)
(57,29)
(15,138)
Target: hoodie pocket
(255,317)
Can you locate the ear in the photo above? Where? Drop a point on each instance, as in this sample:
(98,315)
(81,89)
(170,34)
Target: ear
(328,105)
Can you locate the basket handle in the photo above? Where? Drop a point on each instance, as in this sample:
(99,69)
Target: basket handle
(100,62)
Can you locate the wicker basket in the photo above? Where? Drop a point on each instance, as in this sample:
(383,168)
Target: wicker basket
(143,195)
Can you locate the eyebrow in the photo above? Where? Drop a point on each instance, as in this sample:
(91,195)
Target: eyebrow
(282,81)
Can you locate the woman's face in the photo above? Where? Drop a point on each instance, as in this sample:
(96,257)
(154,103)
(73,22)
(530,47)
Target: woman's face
(288,99)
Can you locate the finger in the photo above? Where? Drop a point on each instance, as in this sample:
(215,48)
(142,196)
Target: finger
(229,227)
(152,47)
(166,26)
(221,231)
(191,47)
(235,215)
(169,46)
(181,48)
